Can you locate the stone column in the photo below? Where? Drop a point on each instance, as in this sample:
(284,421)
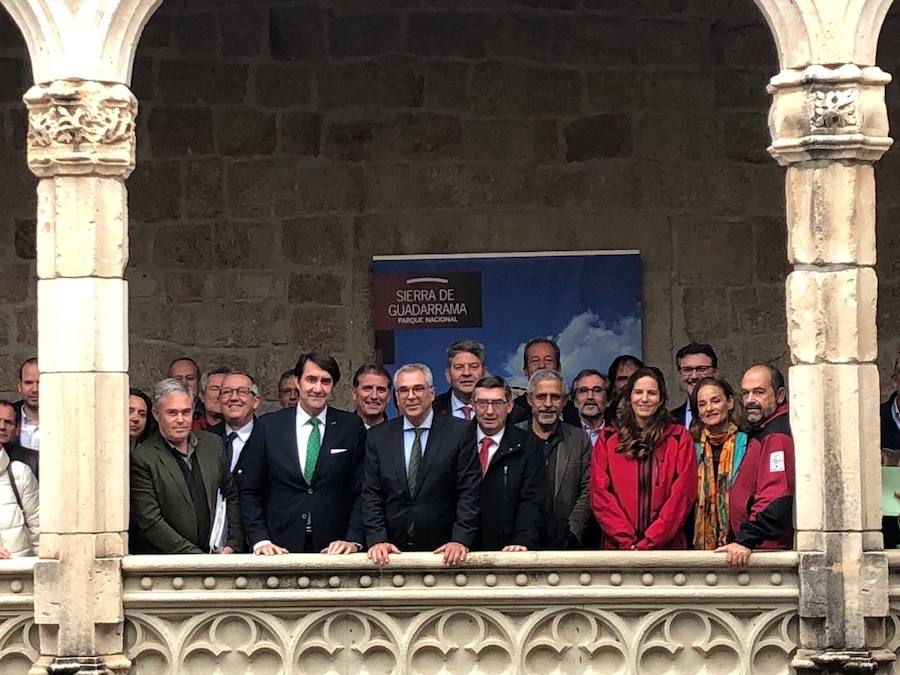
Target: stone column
(829,125)
(81,145)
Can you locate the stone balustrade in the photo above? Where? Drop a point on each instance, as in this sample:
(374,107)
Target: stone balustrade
(603,612)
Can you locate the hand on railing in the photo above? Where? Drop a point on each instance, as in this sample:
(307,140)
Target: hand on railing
(454,552)
(341,547)
(735,554)
(380,553)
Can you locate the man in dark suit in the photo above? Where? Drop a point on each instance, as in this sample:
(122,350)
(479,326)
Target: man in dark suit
(694,362)
(27,413)
(513,477)
(568,521)
(541,353)
(176,476)
(465,366)
(890,450)
(302,474)
(239,400)
(422,477)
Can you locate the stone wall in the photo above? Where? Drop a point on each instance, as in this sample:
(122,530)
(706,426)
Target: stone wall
(283,144)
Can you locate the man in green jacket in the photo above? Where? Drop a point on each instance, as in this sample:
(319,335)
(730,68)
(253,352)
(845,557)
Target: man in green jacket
(177,478)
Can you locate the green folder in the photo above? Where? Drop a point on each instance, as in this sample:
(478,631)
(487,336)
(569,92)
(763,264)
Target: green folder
(890,482)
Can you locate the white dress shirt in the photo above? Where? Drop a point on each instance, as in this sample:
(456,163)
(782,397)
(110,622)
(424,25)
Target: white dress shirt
(29,432)
(243,434)
(495,442)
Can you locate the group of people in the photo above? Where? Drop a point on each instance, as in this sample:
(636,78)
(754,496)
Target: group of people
(603,463)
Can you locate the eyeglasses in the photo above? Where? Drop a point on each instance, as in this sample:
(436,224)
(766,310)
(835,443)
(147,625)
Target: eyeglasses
(484,405)
(418,390)
(590,390)
(242,392)
(699,370)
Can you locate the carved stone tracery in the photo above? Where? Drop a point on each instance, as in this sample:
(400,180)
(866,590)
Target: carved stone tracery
(81,128)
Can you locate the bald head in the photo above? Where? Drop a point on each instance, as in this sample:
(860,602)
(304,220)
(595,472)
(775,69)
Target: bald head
(762,390)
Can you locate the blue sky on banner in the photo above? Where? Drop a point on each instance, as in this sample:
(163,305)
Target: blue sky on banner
(589,302)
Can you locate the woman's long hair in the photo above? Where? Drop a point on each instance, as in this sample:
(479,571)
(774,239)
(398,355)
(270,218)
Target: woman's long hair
(737,412)
(150,426)
(633,441)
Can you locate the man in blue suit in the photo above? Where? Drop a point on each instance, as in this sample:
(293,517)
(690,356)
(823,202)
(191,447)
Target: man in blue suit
(302,475)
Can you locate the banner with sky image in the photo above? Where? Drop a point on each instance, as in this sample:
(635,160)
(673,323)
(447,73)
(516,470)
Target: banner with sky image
(588,301)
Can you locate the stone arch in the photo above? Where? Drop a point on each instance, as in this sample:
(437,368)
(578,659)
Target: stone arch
(823,31)
(97,41)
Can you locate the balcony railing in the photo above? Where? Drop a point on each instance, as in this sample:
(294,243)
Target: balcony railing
(602,612)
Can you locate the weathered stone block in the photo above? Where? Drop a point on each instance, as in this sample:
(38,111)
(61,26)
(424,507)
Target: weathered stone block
(262,188)
(154,191)
(323,288)
(84,451)
(727,268)
(551,92)
(562,186)
(297,33)
(82,227)
(598,137)
(742,88)
(329,188)
(243,245)
(743,45)
(831,316)
(609,41)
(319,328)
(706,313)
(248,285)
(497,89)
(547,145)
(389,187)
(316,241)
(758,310)
(24,239)
(747,137)
(364,35)
(197,34)
(91,314)
(180,131)
(203,196)
(183,286)
(834,421)
(281,84)
(299,133)
(26,325)
(358,140)
(245,132)
(445,86)
(823,229)
(452,185)
(675,43)
(428,135)
(471,35)
(242,31)
(549,38)
(614,90)
(183,246)
(13,75)
(498,139)
(202,82)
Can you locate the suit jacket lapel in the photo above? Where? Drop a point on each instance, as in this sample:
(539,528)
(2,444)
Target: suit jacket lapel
(432,447)
(562,458)
(210,467)
(506,447)
(289,445)
(329,433)
(170,464)
(397,454)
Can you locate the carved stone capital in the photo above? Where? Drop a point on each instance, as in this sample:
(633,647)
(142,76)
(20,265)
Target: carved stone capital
(78,128)
(830,113)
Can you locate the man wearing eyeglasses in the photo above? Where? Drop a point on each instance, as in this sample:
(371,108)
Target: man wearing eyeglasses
(422,477)
(513,477)
(302,478)
(566,449)
(239,401)
(694,362)
(590,393)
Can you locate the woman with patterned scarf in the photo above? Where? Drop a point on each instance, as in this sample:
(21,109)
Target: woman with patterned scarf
(720,443)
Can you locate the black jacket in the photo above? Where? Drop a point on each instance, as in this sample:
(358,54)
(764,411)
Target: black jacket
(277,502)
(890,434)
(679,413)
(445,506)
(512,493)
(219,430)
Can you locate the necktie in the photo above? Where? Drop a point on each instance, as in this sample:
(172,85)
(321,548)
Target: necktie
(229,448)
(415,461)
(483,453)
(467,412)
(312,450)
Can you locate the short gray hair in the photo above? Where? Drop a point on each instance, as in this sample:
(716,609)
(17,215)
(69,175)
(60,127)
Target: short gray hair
(204,380)
(544,375)
(169,386)
(414,368)
(254,388)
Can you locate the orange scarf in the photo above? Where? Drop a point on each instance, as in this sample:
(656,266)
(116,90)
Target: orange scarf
(714,490)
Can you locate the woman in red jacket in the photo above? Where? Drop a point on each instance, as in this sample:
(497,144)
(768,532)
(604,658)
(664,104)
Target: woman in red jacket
(644,473)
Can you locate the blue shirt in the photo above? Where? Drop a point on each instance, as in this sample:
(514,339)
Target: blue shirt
(409,436)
